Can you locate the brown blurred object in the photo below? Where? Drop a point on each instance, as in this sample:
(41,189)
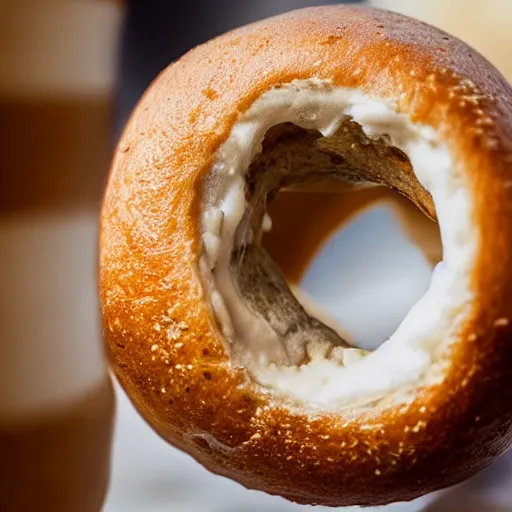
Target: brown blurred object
(59,461)
(43,139)
(57,69)
(56,102)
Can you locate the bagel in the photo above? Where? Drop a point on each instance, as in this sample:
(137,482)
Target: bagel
(201,327)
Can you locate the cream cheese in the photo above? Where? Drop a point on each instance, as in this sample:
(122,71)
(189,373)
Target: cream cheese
(411,354)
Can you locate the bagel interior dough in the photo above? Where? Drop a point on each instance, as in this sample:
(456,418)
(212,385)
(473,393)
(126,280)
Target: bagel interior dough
(309,130)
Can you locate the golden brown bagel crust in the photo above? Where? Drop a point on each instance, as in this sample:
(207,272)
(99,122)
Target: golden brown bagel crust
(164,344)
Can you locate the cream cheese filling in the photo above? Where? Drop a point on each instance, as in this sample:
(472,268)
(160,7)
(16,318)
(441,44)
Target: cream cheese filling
(414,352)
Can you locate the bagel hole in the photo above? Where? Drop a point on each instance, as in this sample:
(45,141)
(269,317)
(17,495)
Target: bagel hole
(260,271)
(294,159)
(366,257)
(311,136)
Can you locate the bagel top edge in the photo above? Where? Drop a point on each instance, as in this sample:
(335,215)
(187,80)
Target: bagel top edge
(163,342)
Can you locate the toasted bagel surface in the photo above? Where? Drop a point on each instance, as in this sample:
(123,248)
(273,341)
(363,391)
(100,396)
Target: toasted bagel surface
(165,342)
